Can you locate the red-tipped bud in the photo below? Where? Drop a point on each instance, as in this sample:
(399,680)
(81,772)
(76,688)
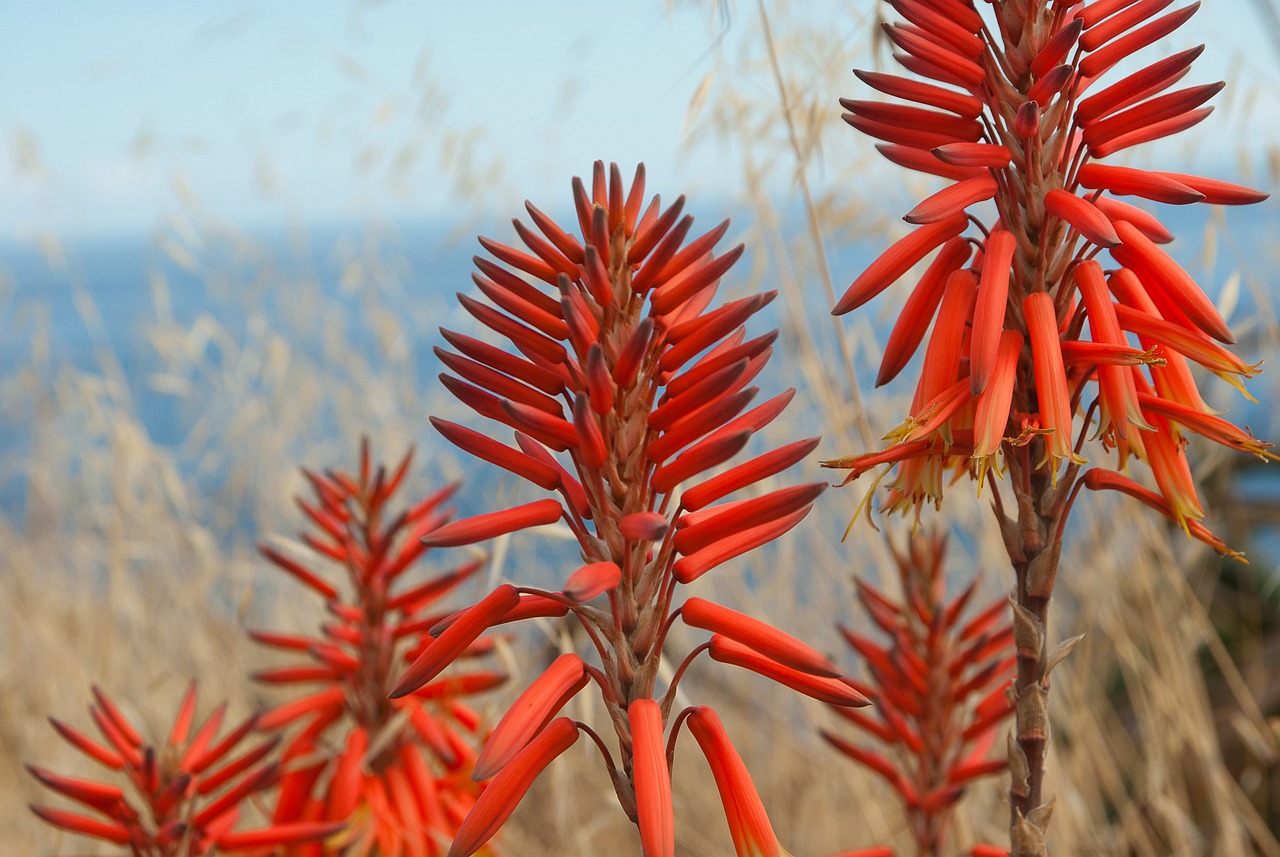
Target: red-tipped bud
(749,825)
(745,474)
(492,524)
(592,579)
(643,526)
(499,800)
(764,638)
(455,639)
(531,711)
(1085,217)
(829,690)
(485,447)
(897,260)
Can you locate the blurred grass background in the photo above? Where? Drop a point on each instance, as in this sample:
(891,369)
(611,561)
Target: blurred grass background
(156,409)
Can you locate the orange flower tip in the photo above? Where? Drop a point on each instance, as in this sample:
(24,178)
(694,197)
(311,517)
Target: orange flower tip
(469,625)
(592,579)
(834,691)
(492,524)
(643,526)
(749,825)
(1217,192)
(986,155)
(654,809)
(531,711)
(988,851)
(1026,122)
(952,199)
(898,259)
(757,635)
(499,800)
(1128,181)
(876,851)
(1083,216)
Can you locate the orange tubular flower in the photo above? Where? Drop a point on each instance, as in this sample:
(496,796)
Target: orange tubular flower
(749,826)
(1056,204)
(1020,112)
(630,393)
(397,773)
(185,794)
(937,677)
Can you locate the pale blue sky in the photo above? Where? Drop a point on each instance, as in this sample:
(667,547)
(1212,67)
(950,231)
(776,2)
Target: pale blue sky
(266,109)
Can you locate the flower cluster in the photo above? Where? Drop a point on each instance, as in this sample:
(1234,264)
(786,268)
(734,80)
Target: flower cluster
(940,688)
(624,388)
(179,798)
(1034,341)
(398,773)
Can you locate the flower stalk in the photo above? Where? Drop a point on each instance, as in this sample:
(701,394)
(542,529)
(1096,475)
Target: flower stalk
(629,393)
(397,773)
(1031,350)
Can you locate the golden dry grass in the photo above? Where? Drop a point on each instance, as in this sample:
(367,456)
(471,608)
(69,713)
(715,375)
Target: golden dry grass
(134,565)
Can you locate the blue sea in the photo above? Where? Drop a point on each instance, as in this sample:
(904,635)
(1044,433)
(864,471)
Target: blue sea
(94,300)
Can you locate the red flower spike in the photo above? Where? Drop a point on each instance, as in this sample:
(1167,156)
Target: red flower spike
(387,790)
(1127,181)
(689,568)
(709,526)
(988,155)
(751,632)
(924,629)
(499,800)
(165,811)
(1218,192)
(1147,224)
(749,825)
(748,473)
(654,398)
(925,162)
(1103,59)
(1046,112)
(962,104)
(1085,217)
(1051,377)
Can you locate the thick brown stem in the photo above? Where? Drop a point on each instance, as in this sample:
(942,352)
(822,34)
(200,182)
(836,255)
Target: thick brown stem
(1034,550)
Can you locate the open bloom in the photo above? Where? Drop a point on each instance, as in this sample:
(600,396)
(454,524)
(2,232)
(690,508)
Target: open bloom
(940,689)
(177,798)
(397,773)
(629,392)
(1036,340)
